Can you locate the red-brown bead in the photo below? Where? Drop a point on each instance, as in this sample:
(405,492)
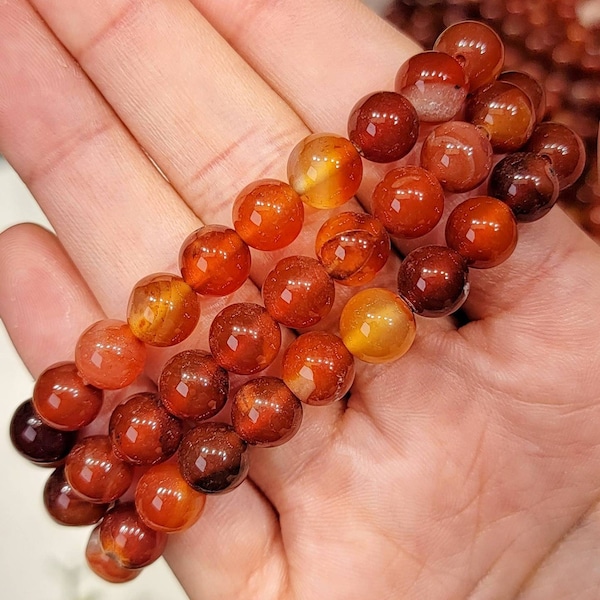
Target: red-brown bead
(165,502)
(383,126)
(214,261)
(409,201)
(244,338)
(318,368)
(109,356)
(298,292)
(434,280)
(193,386)
(563,147)
(128,539)
(106,565)
(94,471)
(434,83)
(65,506)
(458,155)
(36,441)
(265,412)
(63,400)
(478,49)
(163,310)
(268,214)
(142,432)
(483,230)
(527,183)
(505,112)
(353,247)
(531,87)
(213,458)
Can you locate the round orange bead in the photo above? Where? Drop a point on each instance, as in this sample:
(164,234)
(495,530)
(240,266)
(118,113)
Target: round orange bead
(214,261)
(325,170)
(63,400)
(142,432)
(409,201)
(193,386)
(268,214)
(483,230)
(105,565)
(477,48)
(505,112)
(163,310)
(244,338)
(265,412)
(298,292)
(94,471)
(165,502)
(318,368)
(109,356)
(353,247)
(377,326)
(128,539)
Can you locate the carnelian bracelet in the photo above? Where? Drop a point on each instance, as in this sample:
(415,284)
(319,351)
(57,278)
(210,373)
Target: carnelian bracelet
(501,113)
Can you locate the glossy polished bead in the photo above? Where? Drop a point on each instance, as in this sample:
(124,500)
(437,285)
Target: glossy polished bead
(298,292)
(527,183)
(36,441)
(505,112)
(65,507)
(165,502)
(483,230)
(193,386)
(458,155)
(268,214)
(377,326)
(434,83)
(95,473)
(126,537)
(214,261)
(353,247)
(265,413)
(531,87)
(477,48)
(109,356)
(434,280)
(163,310)
(142,432)
(213,458)
(106,565)
(383,126)
(409,201)
(563,147)
(325,170)
(63,400)
(318,368)
(244,338)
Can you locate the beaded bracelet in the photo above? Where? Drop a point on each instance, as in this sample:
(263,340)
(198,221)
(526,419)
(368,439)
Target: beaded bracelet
(461,77)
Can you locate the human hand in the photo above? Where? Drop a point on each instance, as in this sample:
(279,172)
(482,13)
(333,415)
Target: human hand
(465,470)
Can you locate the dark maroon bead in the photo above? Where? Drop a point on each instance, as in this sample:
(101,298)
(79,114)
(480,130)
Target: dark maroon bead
(434,280)
(563,147)
(65,506)
(383,126)
(36,441)
(527,183)
(213,458)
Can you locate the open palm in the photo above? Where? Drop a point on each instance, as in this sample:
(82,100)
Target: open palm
(468,469)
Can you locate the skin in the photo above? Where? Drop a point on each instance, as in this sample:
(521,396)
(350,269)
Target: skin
(468,469)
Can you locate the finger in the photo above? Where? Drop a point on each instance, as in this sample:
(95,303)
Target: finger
(372,52)
(100,192)
(45,304)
